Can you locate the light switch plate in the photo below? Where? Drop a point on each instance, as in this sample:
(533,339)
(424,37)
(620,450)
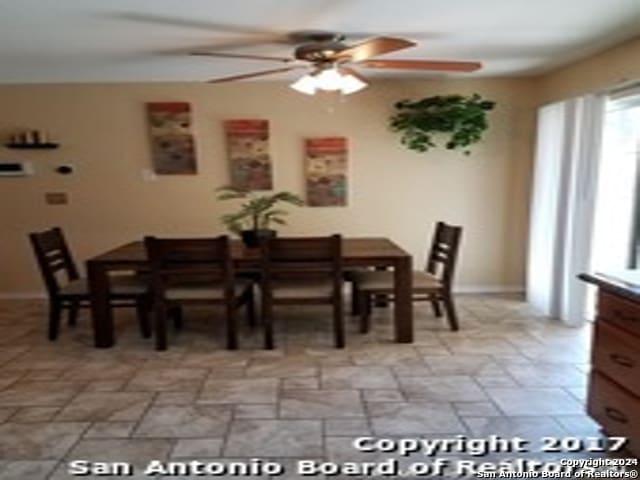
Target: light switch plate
(56,198)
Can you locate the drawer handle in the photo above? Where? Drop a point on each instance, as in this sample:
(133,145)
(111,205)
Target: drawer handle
(622,360)
(627,318)
(615,414)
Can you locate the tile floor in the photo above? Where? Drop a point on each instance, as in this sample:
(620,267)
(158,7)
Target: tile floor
(507,372)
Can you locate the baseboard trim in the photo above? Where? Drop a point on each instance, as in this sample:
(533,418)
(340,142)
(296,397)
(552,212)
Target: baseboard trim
(22,295)
(489,289)
(460,289)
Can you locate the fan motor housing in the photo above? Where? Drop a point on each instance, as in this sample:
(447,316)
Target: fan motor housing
(314,52)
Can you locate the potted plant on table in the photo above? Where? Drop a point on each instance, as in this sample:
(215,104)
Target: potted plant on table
(257,213)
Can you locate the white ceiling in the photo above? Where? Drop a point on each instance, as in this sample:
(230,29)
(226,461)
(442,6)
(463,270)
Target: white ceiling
(44,41)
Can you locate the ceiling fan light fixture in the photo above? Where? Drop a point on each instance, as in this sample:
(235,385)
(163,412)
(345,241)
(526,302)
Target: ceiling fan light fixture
(351,84)
(306,84)
(328,80)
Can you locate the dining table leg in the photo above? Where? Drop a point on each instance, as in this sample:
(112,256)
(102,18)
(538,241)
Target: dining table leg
(402,291)
(101,314)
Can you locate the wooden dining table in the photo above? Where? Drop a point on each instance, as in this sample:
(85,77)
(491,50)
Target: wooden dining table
(356,252)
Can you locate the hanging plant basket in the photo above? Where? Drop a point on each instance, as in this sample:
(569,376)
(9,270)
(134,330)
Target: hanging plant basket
(458,120)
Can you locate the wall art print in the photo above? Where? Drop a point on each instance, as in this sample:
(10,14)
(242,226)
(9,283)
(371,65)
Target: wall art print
(172,144)
(248,151)
(326,171)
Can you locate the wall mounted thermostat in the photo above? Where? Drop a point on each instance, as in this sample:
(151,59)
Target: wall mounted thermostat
(15,169)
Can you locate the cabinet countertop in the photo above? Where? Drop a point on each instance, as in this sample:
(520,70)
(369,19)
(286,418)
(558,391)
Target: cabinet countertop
(625,283)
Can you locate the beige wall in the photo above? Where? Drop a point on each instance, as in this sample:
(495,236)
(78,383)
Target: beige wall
(612,67)
(393,192)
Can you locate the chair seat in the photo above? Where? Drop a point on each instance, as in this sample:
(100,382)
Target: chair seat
(382,281)
(204,291)
(127,285)
(302,288)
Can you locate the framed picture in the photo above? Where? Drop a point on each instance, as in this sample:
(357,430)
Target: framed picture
(172,145)
(326,171)
(248,152)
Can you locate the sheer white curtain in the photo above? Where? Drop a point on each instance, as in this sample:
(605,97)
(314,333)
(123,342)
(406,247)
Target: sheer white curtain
(562,206)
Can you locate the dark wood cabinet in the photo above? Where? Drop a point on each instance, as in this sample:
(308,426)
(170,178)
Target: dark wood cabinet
(614,387)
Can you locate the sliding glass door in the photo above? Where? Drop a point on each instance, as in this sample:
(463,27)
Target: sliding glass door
(616,238)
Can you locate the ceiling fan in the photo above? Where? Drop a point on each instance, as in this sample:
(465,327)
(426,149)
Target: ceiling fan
(331,59)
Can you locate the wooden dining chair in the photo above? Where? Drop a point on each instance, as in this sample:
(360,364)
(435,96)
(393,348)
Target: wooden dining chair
(68,291)
(432,284)
(195,271)
(302,271)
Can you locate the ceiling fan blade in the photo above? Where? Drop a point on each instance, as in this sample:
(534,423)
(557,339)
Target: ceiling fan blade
(371,48)
(240,55)
(252,74)
(436,65)
(353,72)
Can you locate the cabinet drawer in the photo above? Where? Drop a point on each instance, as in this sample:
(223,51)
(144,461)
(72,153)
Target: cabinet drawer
(616,410)
(617,355)
(620,312)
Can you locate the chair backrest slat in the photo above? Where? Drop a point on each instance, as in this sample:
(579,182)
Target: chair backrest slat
(300,257)
(189,260)
(443,253)
(54,258)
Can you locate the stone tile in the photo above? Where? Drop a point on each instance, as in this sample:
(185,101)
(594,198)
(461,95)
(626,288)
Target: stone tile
(387,356)
(446,388)
(380,395)
(400,418)
(105,386)
(35,414)
(215,360)
(484,346)
(110,430)
(346,427)
(137,452)
(304,383)
(320,404)
(500,381)
(26,469)
(106,370)
(344,378)
(532,429)
(266,410)
(175,421)
(103,407)
(40,375)
(547,375)
(476,409)
(175,398)
(274,438)
(38,394)
(167,380)
(38,441)
(578,425)
(579,393)
(5,413)
(280,368)
(535,401)
(463,365)
(199,447)
(249,390)
(411,371)
(44,360)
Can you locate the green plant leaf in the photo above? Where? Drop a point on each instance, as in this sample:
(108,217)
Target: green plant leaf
(456,119)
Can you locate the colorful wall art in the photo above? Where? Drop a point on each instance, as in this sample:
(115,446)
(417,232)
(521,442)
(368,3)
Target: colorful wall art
(326,171)
(248,151)
(172,145)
